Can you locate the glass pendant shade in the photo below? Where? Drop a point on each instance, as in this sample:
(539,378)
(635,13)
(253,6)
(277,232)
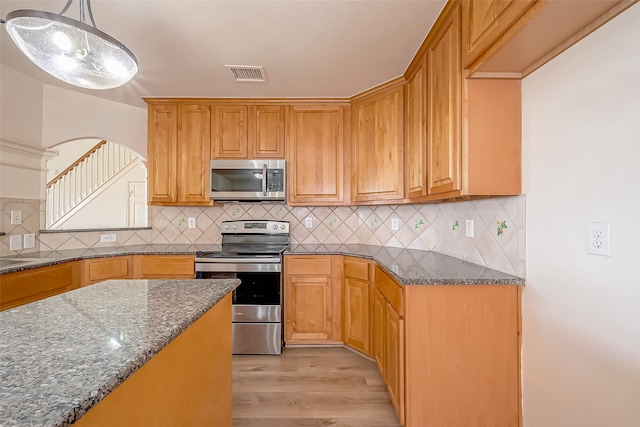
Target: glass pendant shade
(70,50)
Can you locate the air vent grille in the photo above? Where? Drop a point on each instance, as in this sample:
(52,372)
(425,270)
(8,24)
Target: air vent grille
(248,73)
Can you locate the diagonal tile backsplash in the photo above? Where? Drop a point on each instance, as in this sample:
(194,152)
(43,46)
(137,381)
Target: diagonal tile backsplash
(498,242)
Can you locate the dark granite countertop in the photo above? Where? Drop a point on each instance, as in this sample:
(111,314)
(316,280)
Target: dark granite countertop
(416,267)
(61,355)
(43,259)
(407,266)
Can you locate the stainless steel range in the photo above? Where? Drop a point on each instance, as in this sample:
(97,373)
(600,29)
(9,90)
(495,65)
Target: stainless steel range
(252,252)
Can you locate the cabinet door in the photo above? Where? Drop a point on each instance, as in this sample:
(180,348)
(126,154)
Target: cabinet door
(100,269)
(378,325)
(444,95)
(307,308)
(230,135)
(356,314)
(377,159)
(266,131)
(416,145)
(162,154)
(483,22)
(394,346)
(23,287)
(164,267)
(315,155)
(194,132)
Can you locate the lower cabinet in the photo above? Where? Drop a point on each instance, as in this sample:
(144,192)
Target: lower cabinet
(23,287)
(163,267)
(312,295)
(356,306)
(388,331)
(96,270)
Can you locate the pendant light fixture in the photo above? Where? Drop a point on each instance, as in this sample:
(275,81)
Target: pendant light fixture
(70,50)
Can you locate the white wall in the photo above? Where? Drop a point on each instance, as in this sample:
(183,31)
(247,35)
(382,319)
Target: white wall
(20,107)
(69,115)
(581,163)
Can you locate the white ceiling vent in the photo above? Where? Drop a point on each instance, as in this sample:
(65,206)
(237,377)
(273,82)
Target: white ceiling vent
(248,73)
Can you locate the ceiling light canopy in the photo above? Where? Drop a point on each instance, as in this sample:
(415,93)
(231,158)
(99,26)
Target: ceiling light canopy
(70,50)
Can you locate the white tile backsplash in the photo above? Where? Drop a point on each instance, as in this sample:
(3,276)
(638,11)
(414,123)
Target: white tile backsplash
(499,240)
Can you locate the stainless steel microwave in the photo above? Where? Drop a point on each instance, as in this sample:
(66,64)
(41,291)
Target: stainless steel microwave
(248,180)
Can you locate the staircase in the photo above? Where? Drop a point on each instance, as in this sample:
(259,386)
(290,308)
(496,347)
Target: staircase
(85,179)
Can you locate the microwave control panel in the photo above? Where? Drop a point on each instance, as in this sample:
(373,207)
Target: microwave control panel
(275,180)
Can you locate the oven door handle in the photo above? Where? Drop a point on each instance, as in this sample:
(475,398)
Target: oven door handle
(252,260)
(264,179)
(205,267)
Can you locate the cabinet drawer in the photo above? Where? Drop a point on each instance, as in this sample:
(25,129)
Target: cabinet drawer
(391,290)
(96,270)
(308,265)
(356,268)
(165,266)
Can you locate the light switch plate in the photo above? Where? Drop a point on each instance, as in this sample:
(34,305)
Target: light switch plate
(469,228)
(308,222)
(15,242)
(395,225)
(191,222)
(29,241)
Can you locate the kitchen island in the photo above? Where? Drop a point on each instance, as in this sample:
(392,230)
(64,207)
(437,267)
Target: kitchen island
(119,348)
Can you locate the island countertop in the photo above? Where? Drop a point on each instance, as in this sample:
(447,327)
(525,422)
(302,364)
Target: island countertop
(60,356)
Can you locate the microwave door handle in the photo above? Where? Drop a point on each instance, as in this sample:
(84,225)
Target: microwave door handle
(264,179)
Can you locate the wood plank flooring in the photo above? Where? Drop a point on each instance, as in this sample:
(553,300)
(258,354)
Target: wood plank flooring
(311,387)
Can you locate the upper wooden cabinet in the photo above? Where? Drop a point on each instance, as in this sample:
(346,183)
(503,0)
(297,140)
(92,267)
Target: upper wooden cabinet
(484,21)
(377,138)
(230,132)
(315,154)
(513,38)
(267,131)
(178,154)
(248,131)
(415,154)
(444,107)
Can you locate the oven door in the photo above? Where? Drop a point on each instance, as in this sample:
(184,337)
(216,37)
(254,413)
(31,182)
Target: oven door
(256,288)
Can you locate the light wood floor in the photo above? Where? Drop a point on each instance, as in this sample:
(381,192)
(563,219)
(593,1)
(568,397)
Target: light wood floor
(311,387)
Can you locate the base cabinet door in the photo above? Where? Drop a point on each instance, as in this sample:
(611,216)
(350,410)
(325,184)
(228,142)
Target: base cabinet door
(312,299)
(394,346)
(308,308)
(378,325)
(356,314)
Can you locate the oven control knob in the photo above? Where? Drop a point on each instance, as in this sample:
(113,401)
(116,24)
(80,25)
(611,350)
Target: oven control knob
(275,226)
(282,226)
(234,226)
(226,226)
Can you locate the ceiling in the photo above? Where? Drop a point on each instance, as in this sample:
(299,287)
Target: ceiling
(309,48)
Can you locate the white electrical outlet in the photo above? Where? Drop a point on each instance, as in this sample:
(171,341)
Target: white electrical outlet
(191,222)
(107,237)
(29,241)
(308,222)
(16,217)
(599,238)
(15,242)
(469,228)
(395,224)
